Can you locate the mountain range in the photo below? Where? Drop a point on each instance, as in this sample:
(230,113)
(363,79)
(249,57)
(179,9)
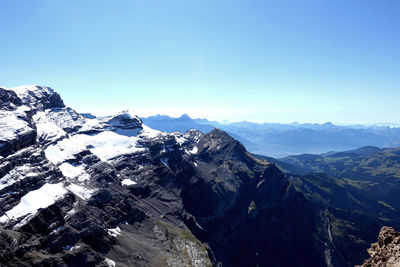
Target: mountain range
(78,190)
(280,140)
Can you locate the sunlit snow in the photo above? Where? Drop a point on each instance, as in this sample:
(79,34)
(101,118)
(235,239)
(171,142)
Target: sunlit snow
(109,262)
(17,174)
(106,145)
(114,231)
(128,182)
(35,200)
(74,172)
(148,132)
(194,150)
(29,93)
(12,125)
(81,191)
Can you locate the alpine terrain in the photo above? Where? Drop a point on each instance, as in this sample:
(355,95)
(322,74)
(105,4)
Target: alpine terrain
(84,191)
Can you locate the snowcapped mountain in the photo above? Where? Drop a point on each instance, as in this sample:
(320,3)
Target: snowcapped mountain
(60,134)
(84,191)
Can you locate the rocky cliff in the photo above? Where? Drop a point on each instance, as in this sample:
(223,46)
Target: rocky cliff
(385,252)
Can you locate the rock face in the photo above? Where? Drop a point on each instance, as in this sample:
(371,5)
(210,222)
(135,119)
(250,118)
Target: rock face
(9,99)
(17,106)
(84,191)
(386,252)
(38,97)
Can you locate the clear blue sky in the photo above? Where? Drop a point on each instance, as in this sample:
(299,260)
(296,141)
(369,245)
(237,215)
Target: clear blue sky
(275,61)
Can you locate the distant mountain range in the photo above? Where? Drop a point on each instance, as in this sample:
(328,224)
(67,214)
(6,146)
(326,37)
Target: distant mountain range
(280,140)
(182,124)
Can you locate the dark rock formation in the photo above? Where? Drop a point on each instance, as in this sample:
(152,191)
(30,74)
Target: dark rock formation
(9,99)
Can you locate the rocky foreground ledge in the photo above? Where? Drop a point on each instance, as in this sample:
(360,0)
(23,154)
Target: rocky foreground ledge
(385,252)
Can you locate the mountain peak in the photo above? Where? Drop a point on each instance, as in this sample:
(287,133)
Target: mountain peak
(126,120)
(32,89)
(185,117)
(38,97)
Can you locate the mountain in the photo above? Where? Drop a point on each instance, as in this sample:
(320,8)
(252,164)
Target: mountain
(280,140)
(181,124)
(84,191)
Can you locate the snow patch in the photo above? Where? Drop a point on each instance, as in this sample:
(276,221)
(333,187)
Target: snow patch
(194,150)
(35,200)
(12,125)
(81,191)
(74,171)
(114,231)
(180,140)
(109,262)
(47,130)
(17,174)
(6,181)
(70,213)
(92,125)
(74,248)
(147,132)
(128,182)
(51,123)
(106,145)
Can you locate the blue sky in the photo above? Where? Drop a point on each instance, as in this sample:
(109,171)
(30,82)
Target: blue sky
(273,61)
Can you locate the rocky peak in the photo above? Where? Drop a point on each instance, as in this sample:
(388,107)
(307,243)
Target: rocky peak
(38,97)
(125,120)
(217,139)
(218,133)
(185,117)
(218,145)
(386,252)
(16,129)
(193,135)
(124,123)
